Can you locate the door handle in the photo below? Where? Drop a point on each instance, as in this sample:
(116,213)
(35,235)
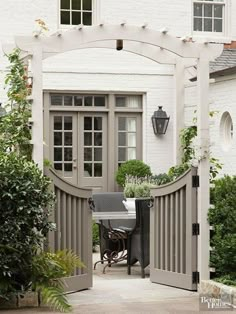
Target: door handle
(74,163)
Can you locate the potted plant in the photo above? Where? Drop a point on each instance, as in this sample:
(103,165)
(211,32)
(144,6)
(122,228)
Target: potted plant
(135,188)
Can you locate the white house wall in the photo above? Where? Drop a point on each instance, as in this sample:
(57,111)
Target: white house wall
(222,99)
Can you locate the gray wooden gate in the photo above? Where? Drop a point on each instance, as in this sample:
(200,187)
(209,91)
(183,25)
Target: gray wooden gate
(74,223)
(173,227)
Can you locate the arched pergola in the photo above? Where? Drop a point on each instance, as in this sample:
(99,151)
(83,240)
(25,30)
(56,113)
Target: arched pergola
(158,46)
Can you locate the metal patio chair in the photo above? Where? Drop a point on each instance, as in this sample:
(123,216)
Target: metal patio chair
(113,234)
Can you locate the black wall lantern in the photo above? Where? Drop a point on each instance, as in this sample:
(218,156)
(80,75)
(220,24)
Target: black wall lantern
(160,121)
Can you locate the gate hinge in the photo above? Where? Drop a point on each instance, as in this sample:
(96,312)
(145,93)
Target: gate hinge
(196,229)
(195,181)
(195,276)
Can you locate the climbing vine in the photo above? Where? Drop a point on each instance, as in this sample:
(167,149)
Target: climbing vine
(15,132)
(187,138)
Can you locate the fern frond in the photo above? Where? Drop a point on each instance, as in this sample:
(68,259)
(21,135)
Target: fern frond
(54,297)
(69,260)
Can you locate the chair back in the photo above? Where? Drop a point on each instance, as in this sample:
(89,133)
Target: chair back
(112,202)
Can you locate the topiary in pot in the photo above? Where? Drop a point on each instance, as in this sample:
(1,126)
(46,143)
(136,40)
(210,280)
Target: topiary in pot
(135,168)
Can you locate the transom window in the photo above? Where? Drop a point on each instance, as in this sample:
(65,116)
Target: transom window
(78,100)
(75,12)
(208,15)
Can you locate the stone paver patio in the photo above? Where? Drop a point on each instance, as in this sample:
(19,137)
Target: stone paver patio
(116,292)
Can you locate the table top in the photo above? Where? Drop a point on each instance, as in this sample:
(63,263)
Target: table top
(113,215)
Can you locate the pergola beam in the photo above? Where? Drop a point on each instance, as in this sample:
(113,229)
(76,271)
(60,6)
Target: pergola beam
(72,39)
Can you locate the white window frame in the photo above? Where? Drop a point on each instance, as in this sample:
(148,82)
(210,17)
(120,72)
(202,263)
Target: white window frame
(95,14)
(224,4)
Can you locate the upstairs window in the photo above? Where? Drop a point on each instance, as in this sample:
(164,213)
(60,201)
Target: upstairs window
(208,15)
(75,12)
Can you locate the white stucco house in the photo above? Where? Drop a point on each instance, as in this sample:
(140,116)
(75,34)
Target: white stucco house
(100,101)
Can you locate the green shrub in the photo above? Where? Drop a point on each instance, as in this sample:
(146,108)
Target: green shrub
(135,168)
(160,179)
(25,202)
(223,218)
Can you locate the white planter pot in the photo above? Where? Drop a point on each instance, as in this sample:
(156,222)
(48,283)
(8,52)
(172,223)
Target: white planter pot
(129,204)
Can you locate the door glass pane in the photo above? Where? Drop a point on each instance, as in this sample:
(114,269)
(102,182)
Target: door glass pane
(87,170)
(57,166)
(87,18)
(122,139)
(132,139)
(97,154)
(68,173)
(67,100)
(65,17)
(122,123)
(87,139)
(197,24)
(88,154)
(68,138)
(78,101)
(97,170)
(97,123)
(99,101)
(68,167)
(76,4)
(68,154)
(65,4)
(57,138)
(97,139)
(208,10)
(76,18)
(88,101)
(197,9)
(87,123)
(218,11)
(56,100)
(57,123)
(57,154)
(218,26)
(208,25)
(67,123)
(131,153)
(131,124)
(122,154)
(87,5)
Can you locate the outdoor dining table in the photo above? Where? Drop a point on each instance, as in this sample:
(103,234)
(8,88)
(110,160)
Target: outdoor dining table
(115,234)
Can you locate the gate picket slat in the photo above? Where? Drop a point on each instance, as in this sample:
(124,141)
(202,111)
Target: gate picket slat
(158,231)
(68,222)
(73,229)
(177,232)
(172,224)
(181,228)
(162,233)
(80,228)
(63,221)
(167,234)
(58,220)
